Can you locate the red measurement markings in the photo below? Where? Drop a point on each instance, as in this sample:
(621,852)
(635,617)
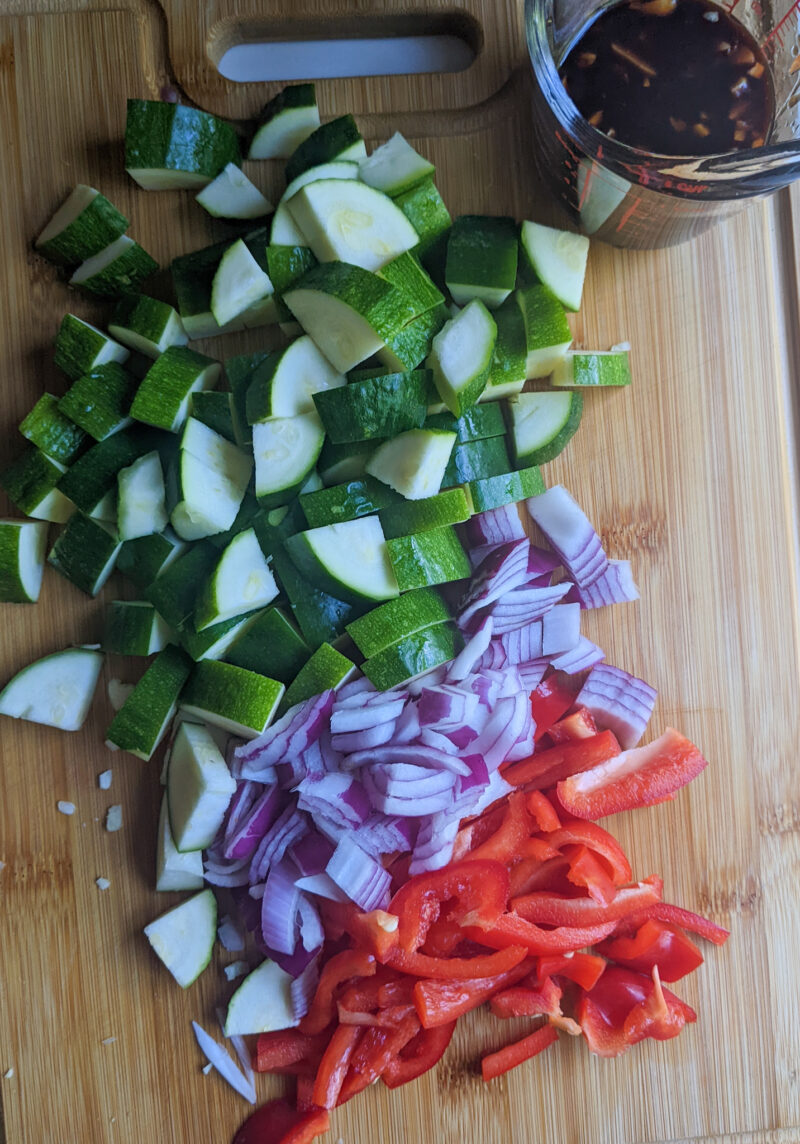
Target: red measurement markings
(628,215)
(775,39)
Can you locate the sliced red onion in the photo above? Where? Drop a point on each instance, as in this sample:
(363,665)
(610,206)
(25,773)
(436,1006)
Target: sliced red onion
(561,629)
(230,936)
(464,663)
(364,740)
(292,963)
(533,673)
(523,605)
(615,586)
(618,701)
(249,910)
(220,872)
(312,934)
(583,656)
(303,988)
(310,854)
(407,727)
(245,795)
(496,788)
(383,707)
(224,1064)
(413,753)
(523,644)
(339,799)
(426,679)
(331,759)
(567,528)
(413,807)
(438,740)
(434,845)
(354,687)
(402,780)
(254,825)
(382,834)
(363,880)
(503,570)
(542,563)
(239,1044)
(495,526)
(279,908)
(507,723)
(290,736)
(286,830)
(322,885)
(445,706)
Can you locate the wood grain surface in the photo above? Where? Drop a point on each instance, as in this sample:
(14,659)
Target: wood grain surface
(690,474)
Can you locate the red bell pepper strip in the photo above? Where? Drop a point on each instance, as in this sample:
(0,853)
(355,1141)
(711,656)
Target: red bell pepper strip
(278,1123)
(286,1049)
(585,870)
(304,1094)
(511,929)
(442,1002)
(528,874)
(552,698)
(495,1064)
(460,968)
(584,969)
(334,1065)
(341,967)
(376,1049)
(580,832)
(556,910)
(375,931)
(603,1013)
(546,768)
(514,830)
(522,1001)
(676,915)
(655,944)
(480,889)
(639,777)
(579,725)
(420,1054)
(541,809)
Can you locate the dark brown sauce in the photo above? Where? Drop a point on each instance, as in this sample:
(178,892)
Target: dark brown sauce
(674,77)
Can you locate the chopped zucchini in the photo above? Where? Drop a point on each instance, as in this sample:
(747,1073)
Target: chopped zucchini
(285,122)
(147,325)
(407,517)
(338,139)
(164,396)
(285,450)
(271,645)
(580,369)
(100,401)
(547,332)
(348,560)
(428,558)
(232,698)
(326,669)
(283,384)
(395,167)
(232,195)
(56,690)
(141,498)
(413,463)
(241,582)
(558,259)
(23,545)
(413,655)
(85,553)
(408,613)
(134,627)
(82,226)
(371,407)
(52,431)
(117,269)
(170,145)
(80,348)
(481,259)
(141,722)
(541,425)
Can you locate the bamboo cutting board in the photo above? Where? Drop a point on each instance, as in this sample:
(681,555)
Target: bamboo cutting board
(690,475)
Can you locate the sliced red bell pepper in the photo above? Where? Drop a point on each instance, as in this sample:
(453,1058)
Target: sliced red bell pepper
(375,930)
(334,1065)
(304,1094)
(374,1052)
(278,1123)
(582,968)
(442,1002)
(655,943)
(495,1064)
(420,1054)
(579,725)
(557,910)
(676,915)
(586,870)
(542,811)
(639,777)
(546,768)
(528,874)
(551,699)
(580,832)
(603,1012)
(460,968)
(480,891)
(285,1049)
(341,967)
(513,929)
(523,1001)
(504,845)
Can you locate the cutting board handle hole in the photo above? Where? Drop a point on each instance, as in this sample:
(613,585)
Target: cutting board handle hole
(370,45)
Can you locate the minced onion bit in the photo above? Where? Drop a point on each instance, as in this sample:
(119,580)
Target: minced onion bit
(104,780)
(114,819)
(65,807)
(102,883)
(224,1064)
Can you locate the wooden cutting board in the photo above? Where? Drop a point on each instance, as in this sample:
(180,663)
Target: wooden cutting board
(690,474)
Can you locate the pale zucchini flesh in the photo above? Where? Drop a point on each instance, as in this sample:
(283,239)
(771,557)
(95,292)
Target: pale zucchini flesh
(57,690)
(183,938)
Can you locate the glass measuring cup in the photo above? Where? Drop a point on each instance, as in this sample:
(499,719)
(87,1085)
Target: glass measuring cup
(633,198)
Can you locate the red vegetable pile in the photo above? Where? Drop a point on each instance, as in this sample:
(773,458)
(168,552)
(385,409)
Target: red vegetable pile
(537,914)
